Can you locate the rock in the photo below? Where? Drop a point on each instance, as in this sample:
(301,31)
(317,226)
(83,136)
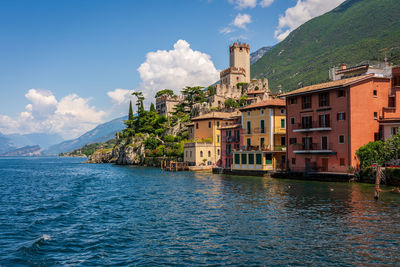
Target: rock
(100,156)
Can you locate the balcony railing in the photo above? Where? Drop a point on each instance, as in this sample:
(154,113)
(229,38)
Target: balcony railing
(259,130)
(312,126)
(312,148)
(231,139)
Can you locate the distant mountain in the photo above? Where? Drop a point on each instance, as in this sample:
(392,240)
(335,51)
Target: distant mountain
(6,144)
(354,32)
(255,56)
(100,134)
(44,140)
(23,151)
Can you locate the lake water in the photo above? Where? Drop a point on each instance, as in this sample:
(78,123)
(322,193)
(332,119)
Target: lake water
(57,211)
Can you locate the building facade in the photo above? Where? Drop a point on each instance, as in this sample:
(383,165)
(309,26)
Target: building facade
(165,104)
(205,150)
(263,137)
(230,141)
(329,122)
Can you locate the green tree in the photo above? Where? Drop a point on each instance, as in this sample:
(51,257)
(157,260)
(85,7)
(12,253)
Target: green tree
(242,101)
(193,95)
(211,90)
(130,115)
(165,92)
(152,108)
(373,153)
(139,101)
(230,103)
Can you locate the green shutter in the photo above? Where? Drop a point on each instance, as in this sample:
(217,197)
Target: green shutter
(282,123)
(244,158)
(251,158)
(258,159)
(268,159)
(237,159)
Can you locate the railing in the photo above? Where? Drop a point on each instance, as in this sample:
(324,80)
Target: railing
(231,139)
(313,146)
(259,130)
(312,125)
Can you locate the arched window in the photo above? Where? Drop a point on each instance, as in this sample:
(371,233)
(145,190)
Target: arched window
(201,153)
(209,153)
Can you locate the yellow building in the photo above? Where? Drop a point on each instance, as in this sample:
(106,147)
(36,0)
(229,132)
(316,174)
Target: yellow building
(264,137)
(206,148)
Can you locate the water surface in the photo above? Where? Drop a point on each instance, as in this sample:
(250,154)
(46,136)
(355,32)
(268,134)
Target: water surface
(57,211)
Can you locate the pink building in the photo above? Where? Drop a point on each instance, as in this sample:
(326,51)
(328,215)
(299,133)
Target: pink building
(230,140)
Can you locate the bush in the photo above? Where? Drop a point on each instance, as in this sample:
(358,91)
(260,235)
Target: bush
(151,143)
(169,138)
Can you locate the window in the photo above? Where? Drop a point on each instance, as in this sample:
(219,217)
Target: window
(217,138)
(341,139)
(323,99)
(293,140)
(262,126)
(282,111)
(209,153)
(341,161)
(209,124)
(306,101)
(244,158)
(375,115)
(258,159)
(249,127)
(376,137)
(394,130)
(341,93)
(268,159)
(262,142)
(283,140)
(293,100)
(251,158)
(248,142)
(228,133)
(217,123)
(293,161)
(228,149)
(219,102)
(292,121)
(307,143)
(237,159)
(197,125)
(262,112)
(341,116)
(306,122)
(283,126)
(186,154)
(218,152)
(201,154)
(248,113)
(190,153)
(375,93)
(324,142)
(324,121)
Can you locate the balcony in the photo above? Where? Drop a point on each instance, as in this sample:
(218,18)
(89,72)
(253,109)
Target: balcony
(313,148)
(231,139)
(265,148)
(312,126)
(259,130)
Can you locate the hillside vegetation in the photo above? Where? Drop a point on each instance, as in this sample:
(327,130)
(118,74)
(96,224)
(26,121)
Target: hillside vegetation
(356,31)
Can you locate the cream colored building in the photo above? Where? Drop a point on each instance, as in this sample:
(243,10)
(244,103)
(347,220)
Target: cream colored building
(206,146)
(165,104)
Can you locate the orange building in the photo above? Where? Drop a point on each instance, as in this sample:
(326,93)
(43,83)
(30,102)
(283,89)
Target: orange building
(329,122)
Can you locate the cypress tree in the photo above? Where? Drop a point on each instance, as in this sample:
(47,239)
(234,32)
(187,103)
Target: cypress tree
(152,108)
(130,116)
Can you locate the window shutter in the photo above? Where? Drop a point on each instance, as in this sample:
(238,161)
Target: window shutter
(344,115)
(328,122)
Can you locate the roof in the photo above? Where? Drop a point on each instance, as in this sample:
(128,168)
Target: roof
(232,126)
(389,120)
(255,92)
(359,67)
(266,103)
(328,85)
(216,115)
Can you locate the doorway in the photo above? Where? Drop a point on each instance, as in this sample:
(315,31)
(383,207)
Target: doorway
(324,164)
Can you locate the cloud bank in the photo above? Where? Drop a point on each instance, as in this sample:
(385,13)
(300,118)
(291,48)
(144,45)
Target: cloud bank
(70,117)
(302,12)
(174,69)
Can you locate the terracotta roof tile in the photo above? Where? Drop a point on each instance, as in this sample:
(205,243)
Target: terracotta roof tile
(232,126)
(328,85)
(216,115)
(266,103)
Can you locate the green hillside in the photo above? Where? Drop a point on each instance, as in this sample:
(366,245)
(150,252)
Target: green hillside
(356,31)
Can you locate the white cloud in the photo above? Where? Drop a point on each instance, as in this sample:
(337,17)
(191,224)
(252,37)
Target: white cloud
(69,117)
(302,12)
(241,20)
(174,69)
(120,96)
(226,30)
(241,4)
(266,3)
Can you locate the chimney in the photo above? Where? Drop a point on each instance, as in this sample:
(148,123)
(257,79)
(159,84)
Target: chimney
(343,66)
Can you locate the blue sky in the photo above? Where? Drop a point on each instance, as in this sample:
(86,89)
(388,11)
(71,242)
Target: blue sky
(66,66)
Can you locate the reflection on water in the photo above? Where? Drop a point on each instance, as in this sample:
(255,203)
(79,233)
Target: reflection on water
(58,211)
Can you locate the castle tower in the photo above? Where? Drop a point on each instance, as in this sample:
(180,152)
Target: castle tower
(239,57)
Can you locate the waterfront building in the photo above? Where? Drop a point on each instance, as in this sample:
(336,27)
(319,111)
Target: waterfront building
(230,141)
(329,122)
(379,69)
(263,137)
(205,150)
